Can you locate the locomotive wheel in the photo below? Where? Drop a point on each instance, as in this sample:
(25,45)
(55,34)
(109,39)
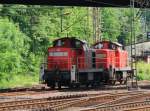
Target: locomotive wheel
(77,85)
(70,86)
(93,85)
(125,82)
(106,80)
(112,82)
(121,81)
(87,85)
(59,85)
(51,85)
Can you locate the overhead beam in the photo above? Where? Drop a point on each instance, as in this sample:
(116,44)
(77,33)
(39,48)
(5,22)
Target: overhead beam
(91,3)
(143,3)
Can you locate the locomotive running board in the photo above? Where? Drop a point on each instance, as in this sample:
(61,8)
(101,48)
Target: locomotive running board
(91,70)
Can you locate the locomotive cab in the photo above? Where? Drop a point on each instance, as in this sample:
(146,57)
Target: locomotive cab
(64,58)
(112,60)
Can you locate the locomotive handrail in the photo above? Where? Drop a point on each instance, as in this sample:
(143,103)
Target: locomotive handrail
(102,62)
(79,58)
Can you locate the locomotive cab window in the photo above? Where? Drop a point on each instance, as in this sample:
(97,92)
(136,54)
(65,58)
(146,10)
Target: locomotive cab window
(59,43)
(99,46)
(78,44)
(112,46)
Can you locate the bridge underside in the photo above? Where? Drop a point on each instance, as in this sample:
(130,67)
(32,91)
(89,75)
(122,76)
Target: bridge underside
(92,3)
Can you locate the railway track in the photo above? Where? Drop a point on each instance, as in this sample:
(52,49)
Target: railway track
(132,102)
(38,103)
(99,101)
(25,91)
(61,102)
(20,93)
(110,98)
(123,107)
(127,98)
(143,108)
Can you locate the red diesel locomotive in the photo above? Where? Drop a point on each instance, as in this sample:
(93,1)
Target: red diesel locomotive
(70,62)
(112,60)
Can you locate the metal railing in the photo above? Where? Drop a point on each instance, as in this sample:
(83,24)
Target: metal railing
(83,62)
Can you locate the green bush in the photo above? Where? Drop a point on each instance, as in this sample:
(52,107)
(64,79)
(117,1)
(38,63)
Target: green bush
(18,66)
(19,81)
(143,70)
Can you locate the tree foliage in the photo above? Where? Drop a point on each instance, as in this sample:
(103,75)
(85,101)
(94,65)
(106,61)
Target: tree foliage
(13,49)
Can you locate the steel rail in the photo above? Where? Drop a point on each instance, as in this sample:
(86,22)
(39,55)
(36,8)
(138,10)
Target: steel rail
(41,99)
(118,107)
(65,101)
(146,108)
(130,97)
(38,104)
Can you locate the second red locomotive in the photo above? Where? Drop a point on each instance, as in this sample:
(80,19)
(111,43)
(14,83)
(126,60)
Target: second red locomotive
(112,60)
(71,62)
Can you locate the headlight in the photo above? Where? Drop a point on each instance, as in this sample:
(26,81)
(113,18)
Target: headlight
(58,53)
(100,55)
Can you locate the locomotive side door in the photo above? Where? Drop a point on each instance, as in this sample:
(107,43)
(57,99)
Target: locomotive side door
(75,54)
(73,61)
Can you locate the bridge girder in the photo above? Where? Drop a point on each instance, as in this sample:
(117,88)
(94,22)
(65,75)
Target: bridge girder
(92,3)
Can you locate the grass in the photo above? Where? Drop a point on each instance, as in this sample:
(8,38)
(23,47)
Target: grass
(143,71)
(19,81)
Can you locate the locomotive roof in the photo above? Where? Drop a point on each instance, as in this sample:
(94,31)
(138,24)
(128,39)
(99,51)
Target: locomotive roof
(72,38)
(116,43)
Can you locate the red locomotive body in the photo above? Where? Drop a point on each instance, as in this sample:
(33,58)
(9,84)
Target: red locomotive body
(65,53)
(121,58)
(71,62)
(104,56)
(112,59)
(65,57)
